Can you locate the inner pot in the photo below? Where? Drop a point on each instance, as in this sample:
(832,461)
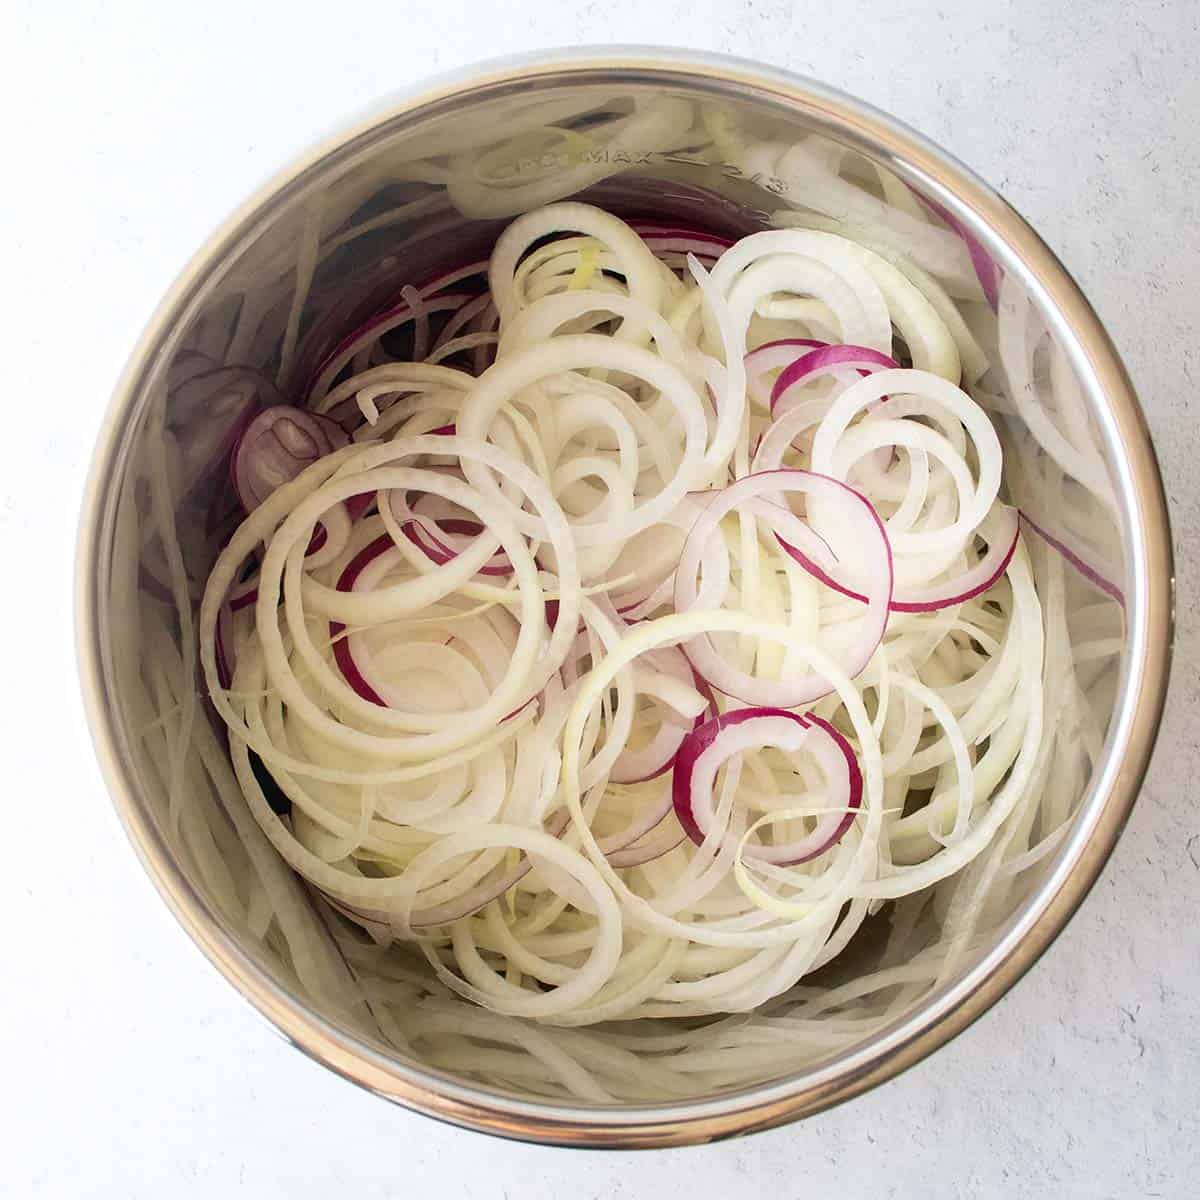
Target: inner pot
(420,190)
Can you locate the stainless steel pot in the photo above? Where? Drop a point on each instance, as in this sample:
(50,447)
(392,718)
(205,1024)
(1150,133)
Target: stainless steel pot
(235,292)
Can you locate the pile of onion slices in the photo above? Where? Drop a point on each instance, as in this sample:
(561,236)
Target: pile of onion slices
(629,616)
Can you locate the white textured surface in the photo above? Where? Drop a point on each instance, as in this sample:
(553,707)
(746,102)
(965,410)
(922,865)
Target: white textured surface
(128,1067)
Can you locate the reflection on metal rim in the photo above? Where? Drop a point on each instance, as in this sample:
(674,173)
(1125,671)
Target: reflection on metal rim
(1113,788)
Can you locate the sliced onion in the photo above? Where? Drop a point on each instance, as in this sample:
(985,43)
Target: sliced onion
(1089,572)
(656,758)
(651,232)
(373,329)
(823,361)
(773,356)
(1001,532)
(342,651)
(986,270)
(716,741)
(861,528)
(441,534)
(224,646)
(495,755)
(276,446)
(210,412)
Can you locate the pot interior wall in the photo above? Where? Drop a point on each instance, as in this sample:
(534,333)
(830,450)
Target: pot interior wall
(423,194)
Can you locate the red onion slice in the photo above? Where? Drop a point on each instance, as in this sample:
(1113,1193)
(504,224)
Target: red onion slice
(223,644)
(422,535)
(865,535)
(210,411)
(772,356)
(1094,577)
(650,231)
(438,530)
(276,446)
(455,531)
(656,758)
(986,270)
(824,361)
(653,845)
(384,322)
(1001,532)
(675,242)
(716,741)
(640,766)
(243,599)
(356,506)
(344,647)
(343,653)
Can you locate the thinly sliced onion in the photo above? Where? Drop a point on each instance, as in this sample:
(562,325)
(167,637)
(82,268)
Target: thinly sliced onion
(658,756)
(441,532)
(628,676)
(860,527)
(823,361)
(210,411)
(276,446)
(372,330)
(342,650)
(712,744)
(1089,572)
(986,270)
(773,356)
(1001,532)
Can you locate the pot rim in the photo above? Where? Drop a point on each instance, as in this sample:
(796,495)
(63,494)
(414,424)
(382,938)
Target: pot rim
(1103,811)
